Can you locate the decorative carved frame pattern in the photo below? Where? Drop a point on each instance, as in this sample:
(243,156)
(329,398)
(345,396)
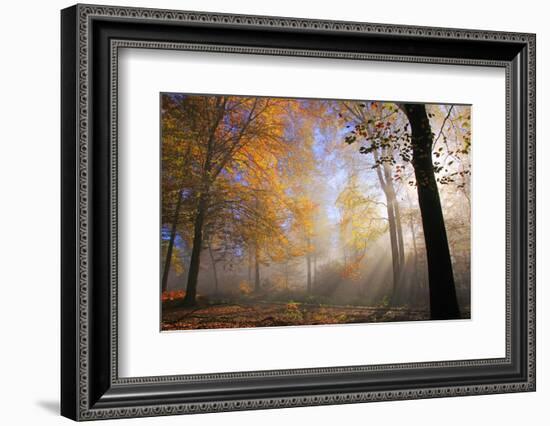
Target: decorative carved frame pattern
(85,13)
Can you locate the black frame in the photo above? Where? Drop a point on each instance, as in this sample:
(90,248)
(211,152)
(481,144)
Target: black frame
(91,37)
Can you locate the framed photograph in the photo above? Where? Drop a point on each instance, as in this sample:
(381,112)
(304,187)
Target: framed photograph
(264,212)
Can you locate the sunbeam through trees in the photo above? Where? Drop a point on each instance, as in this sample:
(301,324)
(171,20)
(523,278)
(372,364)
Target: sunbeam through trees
(283,211)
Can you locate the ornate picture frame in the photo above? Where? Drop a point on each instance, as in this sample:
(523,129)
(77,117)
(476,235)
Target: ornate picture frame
(91,37)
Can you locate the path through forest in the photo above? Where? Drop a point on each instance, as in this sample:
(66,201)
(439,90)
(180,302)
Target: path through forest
(272,314)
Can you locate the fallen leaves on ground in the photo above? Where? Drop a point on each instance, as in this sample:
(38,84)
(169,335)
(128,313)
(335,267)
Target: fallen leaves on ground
(264,314)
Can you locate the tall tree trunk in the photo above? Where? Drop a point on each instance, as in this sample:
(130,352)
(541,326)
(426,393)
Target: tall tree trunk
(257,285)
(418,284)
(394,247)
(398,228)
(207,180)
(168,259)
(392,199)
(401,246)
(392,226)
(213,268)
(387,186)
(443,301)
(190,298)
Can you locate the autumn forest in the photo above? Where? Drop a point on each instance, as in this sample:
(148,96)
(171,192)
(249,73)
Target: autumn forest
(283,211)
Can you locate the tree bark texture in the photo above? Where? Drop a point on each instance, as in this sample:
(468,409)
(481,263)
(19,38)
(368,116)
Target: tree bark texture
(443,300)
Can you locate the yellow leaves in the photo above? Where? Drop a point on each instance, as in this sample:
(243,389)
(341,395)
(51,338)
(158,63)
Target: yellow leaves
(360,222)
(177,264)
(256,163)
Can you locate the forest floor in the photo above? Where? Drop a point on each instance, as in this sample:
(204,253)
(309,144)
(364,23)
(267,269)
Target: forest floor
(273,314)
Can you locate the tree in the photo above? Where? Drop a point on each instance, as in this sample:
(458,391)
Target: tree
(415,147)
(443,301)
(177,143)
(360,223)
(374,121)
(234,150)
(223,126)
(244,181)
(303,215)
(300,181)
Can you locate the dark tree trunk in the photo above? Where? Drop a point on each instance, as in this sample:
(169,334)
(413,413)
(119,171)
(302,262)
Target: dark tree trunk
(190,298)
(168,259)
(443,301)
(194,264)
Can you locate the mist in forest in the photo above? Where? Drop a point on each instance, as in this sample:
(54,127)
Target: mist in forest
(305,211)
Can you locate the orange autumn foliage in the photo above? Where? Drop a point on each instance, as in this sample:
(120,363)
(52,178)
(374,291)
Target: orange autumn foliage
(172,295)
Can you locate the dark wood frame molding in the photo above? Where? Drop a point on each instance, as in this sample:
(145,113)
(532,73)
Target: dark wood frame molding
(91,37)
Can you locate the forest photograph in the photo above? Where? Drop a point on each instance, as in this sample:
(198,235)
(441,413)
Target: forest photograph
(294,211)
